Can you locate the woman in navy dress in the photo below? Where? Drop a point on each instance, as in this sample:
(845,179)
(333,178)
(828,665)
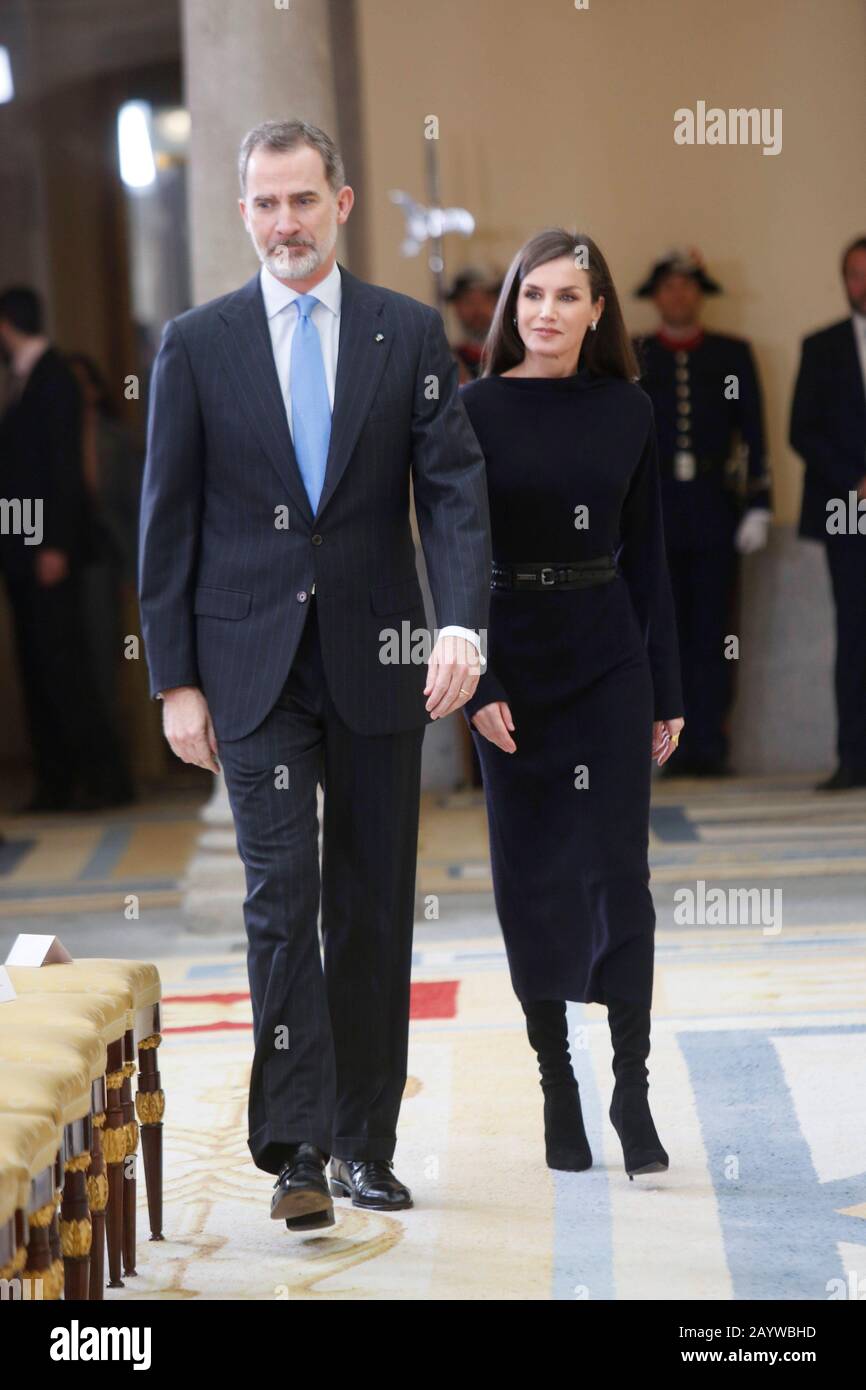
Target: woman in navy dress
(582,685)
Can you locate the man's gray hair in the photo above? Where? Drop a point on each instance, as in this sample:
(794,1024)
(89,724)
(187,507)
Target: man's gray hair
(287,135)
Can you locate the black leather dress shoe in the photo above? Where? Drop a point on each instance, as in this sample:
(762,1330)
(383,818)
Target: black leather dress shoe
(370,1183)
(841,780)
(301,1193)
(314,1222)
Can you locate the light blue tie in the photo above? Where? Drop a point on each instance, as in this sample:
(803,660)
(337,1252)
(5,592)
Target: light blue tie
(311,407)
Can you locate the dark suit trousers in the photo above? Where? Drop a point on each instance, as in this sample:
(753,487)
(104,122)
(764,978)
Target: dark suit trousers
(846,560)
(330,1046)
(72,730)
(704,585)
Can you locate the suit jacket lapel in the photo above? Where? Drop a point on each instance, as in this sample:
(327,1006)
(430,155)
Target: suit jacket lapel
(364,347)
(248,357)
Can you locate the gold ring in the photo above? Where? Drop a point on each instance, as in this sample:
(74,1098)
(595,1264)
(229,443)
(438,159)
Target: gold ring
(463,692)
(674,738)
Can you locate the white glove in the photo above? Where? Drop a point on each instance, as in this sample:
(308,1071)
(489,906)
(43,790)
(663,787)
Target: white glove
(752,530)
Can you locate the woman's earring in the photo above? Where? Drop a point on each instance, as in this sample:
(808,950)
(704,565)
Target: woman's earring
(514,320)
(594,325)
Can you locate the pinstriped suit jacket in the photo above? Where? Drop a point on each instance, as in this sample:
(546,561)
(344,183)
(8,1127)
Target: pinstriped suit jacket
(229,546)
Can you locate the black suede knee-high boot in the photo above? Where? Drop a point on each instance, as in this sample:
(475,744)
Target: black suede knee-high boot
(565,1142)
(629,1108)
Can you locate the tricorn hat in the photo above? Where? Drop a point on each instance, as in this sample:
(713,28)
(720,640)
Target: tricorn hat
(679,262)
(468,279)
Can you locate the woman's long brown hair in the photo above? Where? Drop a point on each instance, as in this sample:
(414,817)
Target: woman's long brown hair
(606,352)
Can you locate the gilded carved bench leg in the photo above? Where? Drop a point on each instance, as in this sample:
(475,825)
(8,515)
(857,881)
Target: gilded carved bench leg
(12,1273)
(150,1107)
(130,1166)
(114,1140)
(43,1271)
(75,1228)
(97,1196)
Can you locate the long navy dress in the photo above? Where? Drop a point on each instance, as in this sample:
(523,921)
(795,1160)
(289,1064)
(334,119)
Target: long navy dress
(584,671)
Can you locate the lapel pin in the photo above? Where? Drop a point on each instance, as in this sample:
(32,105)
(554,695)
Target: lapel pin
(380,337)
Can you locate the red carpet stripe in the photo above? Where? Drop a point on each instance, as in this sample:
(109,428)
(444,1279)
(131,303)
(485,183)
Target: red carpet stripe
(428,999)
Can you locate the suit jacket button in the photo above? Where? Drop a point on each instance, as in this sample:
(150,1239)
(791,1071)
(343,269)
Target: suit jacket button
(302,596)
(317,540)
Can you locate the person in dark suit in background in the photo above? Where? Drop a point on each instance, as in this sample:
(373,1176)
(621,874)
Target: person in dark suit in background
(113,463)
(286,421)
(828,430)
(75,753)
(711,513)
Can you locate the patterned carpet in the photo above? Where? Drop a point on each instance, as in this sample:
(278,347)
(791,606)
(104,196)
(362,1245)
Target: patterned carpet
(757,1074)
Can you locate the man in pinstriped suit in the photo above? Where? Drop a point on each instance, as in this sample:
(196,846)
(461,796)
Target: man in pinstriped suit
(285,422)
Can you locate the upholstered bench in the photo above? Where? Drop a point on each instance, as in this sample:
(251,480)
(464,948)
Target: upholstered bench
(13,1250)
(30,1148)
(138,984)
(102,1017)
(59,1090)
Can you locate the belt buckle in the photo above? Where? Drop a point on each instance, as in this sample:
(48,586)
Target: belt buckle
(547,569)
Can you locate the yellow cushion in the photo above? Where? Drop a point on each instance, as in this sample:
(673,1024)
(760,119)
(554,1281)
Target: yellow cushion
(104,1012)
(57,979)
(9,1189)
(29,1142)
(35,1043)
(142,976)
(59,1088)
(138,978)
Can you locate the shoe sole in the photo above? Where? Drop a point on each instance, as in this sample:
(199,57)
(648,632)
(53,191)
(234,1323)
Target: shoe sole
(304,1201)
(567,1163)
(655,1167)
(315,1221)
(340,1189)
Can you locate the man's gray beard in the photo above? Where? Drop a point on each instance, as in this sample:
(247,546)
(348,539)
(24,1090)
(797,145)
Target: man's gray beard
(288,264)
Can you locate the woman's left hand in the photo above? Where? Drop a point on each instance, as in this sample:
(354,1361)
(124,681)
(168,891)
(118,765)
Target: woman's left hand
(666,734)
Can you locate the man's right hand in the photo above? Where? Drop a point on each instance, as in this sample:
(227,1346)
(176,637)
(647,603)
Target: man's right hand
(187,725)
(494,722)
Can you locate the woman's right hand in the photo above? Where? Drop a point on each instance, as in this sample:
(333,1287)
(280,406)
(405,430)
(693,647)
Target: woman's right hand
(494,721)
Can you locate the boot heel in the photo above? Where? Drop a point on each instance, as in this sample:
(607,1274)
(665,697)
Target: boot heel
(642,1149)
(566,1147)
(339,1189)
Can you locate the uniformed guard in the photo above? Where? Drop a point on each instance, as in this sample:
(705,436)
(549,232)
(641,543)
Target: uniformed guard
(715,489)
(473,297)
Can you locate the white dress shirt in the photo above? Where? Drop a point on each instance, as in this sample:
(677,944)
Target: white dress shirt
(326,318)
(859,322)
(24,359)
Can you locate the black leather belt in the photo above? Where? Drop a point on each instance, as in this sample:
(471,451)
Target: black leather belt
(536,574)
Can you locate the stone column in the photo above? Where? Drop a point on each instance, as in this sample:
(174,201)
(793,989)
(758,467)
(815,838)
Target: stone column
(243,63)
